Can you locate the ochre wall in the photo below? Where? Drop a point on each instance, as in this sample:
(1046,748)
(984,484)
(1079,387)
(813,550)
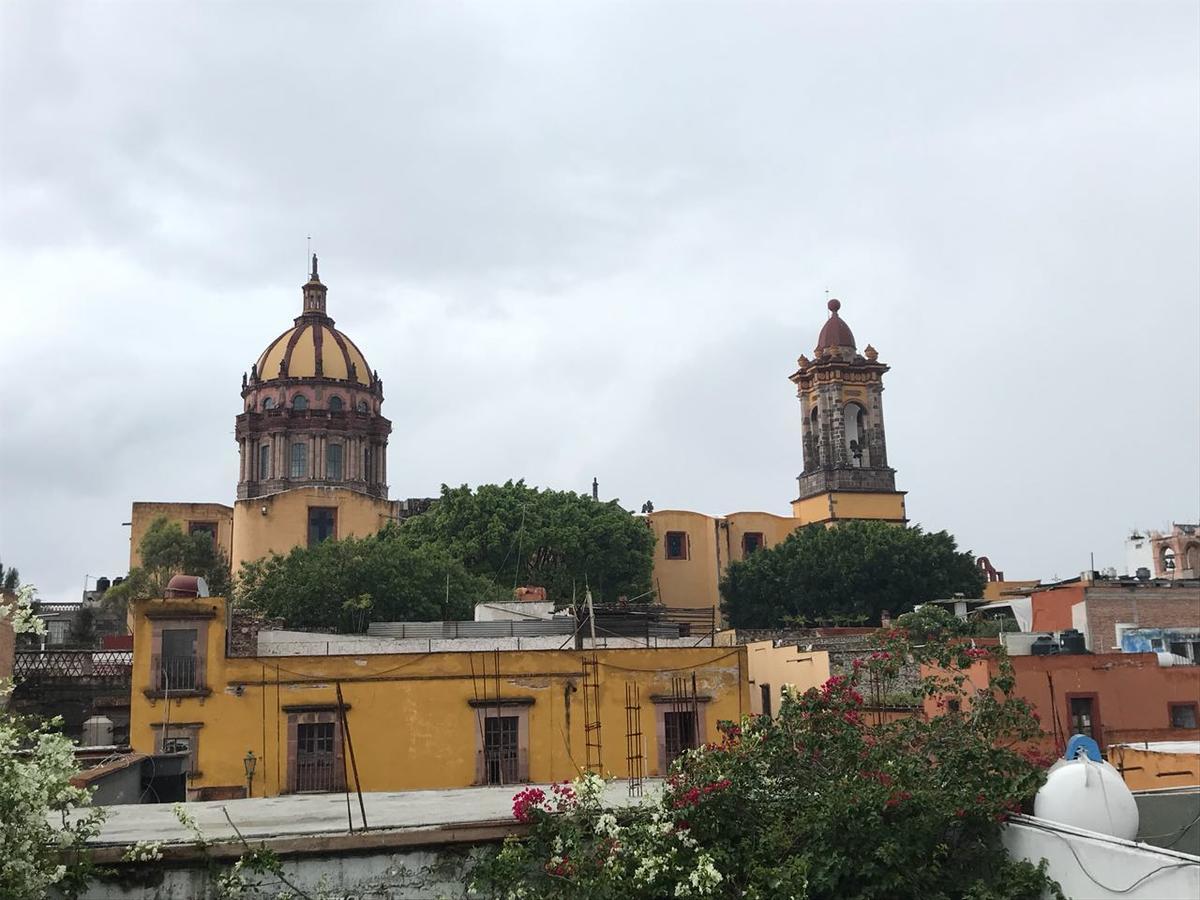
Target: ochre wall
(1145,770)
(180,513)
(712,542)
(780,666)
(279,522)
(996,590)
(839,505)
(690,582)
(409,717)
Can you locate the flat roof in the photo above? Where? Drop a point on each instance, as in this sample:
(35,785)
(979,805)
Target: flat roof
(299,822)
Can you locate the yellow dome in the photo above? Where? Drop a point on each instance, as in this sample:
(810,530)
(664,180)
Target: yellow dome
(314,349)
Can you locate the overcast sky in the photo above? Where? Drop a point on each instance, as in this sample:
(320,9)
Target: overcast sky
(586,239)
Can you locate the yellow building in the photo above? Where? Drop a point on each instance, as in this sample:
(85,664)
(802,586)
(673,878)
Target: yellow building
(846,474)
(414,720)
(777,671)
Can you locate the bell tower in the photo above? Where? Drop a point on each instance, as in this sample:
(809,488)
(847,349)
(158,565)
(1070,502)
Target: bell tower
(846,473)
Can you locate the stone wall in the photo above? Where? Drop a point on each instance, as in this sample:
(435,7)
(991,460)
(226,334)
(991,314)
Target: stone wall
(843,645)
(244,626)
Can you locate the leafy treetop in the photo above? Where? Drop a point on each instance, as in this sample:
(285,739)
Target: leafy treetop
(856,569)
(167,551)
(346,584)
(516,535)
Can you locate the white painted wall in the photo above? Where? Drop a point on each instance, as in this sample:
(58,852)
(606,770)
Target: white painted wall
(1092,866)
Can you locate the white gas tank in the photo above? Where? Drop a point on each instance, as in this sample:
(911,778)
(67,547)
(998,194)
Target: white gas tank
(1090,795)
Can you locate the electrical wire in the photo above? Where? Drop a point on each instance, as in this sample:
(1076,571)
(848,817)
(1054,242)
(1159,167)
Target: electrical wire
(1101,884)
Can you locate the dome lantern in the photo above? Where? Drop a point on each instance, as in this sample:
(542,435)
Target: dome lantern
(314,293)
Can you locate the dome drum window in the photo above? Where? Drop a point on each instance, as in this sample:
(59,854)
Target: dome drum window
(299,402)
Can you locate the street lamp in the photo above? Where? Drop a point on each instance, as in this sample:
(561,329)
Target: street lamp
(250,762)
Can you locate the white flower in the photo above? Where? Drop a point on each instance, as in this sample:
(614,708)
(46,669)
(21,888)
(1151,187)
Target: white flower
(606,824)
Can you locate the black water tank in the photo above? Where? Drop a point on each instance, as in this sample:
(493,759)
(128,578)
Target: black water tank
(102,584)
(1043,646)
(1072,641)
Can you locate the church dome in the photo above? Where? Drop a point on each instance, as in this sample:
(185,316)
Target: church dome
(835,333)
(313,348)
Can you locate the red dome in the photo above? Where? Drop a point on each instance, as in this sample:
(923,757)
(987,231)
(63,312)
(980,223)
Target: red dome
(835,333)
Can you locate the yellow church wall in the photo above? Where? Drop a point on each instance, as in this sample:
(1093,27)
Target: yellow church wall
(776,668)
(409,716)
(736,526)
(278,522)
(689,582)
(182,514)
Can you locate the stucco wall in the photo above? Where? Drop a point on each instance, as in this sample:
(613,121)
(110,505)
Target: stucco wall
(836,505)
(409,717)
(1146,769)
(1132,694)
(181,514)
(279,522)
(713,541)
(780,667)
(690,582)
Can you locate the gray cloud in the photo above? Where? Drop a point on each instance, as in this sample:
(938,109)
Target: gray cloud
(583,239)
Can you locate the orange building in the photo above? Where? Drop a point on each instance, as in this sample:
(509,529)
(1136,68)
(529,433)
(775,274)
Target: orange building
(1111,697)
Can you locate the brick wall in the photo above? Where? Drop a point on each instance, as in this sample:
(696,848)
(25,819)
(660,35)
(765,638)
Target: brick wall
(1147,606)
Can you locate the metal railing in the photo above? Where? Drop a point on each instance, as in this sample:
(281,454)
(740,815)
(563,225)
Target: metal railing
(177,673)
(110,665)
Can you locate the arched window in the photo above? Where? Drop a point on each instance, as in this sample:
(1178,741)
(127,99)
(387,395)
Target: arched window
(1168,560)
(268,403)
(1191,562)
(299,402)
(264,462)
(335,404)
(368,475)
(812,440)
(362,406)
(299,460)
(856,435)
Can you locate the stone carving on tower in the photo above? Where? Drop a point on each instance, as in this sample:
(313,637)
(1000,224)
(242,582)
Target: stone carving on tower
(312,410)
(841,404)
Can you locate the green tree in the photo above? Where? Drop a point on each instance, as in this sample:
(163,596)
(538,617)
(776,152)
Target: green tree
(345,584)
(167,551)
(514,535)
(855,569)
(819,802)
(10,579)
